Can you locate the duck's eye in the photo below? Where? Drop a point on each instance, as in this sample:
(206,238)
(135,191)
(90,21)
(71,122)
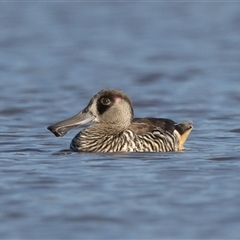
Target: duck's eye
(105,101)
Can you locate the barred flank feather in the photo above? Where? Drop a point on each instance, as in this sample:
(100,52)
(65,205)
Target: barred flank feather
(127,141)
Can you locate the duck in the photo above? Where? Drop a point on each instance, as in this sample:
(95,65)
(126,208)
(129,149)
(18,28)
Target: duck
(117,130)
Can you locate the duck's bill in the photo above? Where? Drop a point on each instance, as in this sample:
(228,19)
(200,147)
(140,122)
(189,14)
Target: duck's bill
(61,128)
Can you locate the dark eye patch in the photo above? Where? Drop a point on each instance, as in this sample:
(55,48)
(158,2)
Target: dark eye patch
(105,101)
(103,104)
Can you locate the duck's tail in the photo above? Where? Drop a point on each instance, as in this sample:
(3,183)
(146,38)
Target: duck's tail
(184,129)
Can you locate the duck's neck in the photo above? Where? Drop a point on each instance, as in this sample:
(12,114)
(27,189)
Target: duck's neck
(107,129)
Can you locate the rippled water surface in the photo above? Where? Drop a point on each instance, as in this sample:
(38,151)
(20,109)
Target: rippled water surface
(175,60)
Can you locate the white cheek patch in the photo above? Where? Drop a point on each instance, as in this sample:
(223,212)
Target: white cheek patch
(93,110)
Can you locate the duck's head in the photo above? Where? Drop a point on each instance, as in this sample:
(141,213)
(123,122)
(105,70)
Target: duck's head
(109,107)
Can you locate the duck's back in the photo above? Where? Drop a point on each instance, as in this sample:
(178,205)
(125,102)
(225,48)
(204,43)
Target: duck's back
(145,125)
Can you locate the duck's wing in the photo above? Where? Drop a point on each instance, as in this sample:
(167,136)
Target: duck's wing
(144,125)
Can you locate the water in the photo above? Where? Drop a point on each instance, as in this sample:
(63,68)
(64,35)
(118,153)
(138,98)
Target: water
(175,60)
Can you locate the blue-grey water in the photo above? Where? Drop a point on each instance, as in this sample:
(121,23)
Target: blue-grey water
(175,60)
